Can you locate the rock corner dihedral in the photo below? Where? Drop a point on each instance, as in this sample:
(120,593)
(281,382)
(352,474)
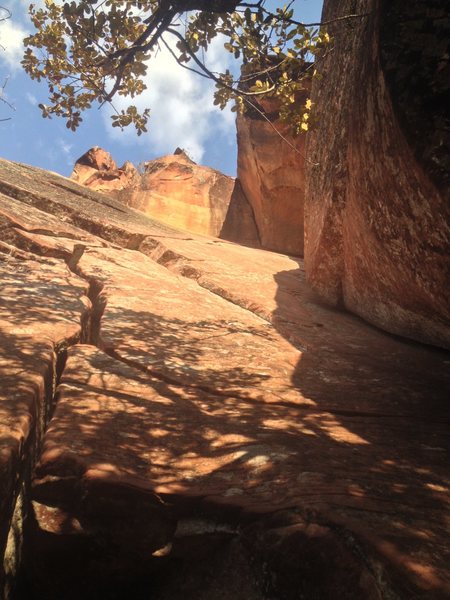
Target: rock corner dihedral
(179,414)
(187,418)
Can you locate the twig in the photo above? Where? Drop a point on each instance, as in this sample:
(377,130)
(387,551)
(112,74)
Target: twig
(2,99)
(8,13)
(129,54)
(319,23)
(210,74)
(183,64)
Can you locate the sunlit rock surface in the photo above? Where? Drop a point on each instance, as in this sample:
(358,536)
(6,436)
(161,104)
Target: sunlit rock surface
(213,430)
(97,170)
(176,191)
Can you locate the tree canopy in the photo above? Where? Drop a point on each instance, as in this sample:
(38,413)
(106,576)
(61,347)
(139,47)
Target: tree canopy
(92,50)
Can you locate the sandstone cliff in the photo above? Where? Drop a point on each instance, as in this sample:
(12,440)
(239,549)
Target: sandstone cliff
(271,169)
(262,207)
(174,190)
(178,414)
(97,170)
(377,212)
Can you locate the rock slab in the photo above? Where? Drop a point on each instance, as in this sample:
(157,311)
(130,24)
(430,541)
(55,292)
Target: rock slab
(206,406)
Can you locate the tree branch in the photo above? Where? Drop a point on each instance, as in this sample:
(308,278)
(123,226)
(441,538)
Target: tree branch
(183,65)
(2,99)
(318,24)
(160,21)
(210,74)
(8,13)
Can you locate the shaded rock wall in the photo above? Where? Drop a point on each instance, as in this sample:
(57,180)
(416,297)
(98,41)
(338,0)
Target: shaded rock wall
(416,65)
(377,224)
(271,172)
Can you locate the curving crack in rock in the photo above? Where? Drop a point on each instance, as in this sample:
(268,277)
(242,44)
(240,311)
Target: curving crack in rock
(222,541)
(206,440)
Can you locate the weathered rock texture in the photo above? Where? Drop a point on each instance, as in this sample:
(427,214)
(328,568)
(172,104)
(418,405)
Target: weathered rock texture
(271,169)
(97,170)
(195,198)
(213,432)
(174,190)
(377,213)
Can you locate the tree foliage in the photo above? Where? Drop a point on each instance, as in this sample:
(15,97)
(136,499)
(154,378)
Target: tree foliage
(92,50)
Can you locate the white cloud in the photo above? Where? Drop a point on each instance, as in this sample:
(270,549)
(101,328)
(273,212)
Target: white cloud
(11,37)
(31,99)
(21,6)
(14,28)
(181,102)
(66,149)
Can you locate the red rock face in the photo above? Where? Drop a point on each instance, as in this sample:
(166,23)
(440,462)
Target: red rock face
(97,170)
(271,172)
(215,432)
(175,190)
(377,227)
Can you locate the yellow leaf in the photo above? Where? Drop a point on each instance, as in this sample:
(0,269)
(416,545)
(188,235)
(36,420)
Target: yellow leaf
(304,126)
(308,104)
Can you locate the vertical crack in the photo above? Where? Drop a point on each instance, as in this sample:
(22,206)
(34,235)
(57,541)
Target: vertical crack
(74,259)
(98,302)
(18,549)
(60,362)
(91,323)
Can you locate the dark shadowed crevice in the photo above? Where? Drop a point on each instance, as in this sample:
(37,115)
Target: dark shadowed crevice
(415,60)
(91,325)
(16,546)
(98,308)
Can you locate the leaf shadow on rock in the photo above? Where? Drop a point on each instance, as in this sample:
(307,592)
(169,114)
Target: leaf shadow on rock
(381,436)
(158,424)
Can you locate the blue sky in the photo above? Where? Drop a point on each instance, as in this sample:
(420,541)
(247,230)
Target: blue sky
(182,111)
